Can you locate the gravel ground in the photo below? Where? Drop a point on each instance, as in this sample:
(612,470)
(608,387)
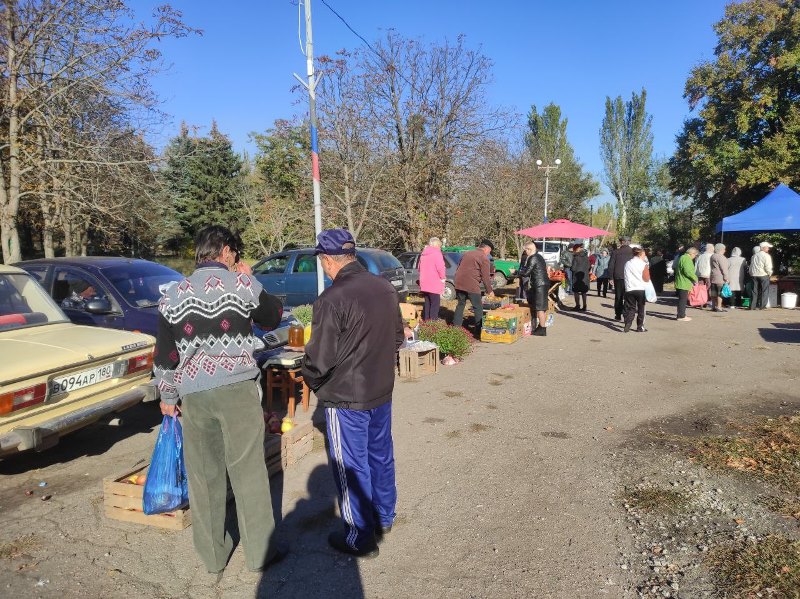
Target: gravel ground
(513,468)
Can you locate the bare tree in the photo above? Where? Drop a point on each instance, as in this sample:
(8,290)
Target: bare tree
(67,66)
(430,105)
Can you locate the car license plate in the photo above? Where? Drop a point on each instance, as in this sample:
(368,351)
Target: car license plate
(397,283)
(79,380)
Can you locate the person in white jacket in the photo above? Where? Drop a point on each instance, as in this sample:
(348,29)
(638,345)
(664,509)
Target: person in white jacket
(761,271)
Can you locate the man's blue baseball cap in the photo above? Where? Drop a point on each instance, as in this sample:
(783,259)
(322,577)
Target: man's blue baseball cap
(335,242)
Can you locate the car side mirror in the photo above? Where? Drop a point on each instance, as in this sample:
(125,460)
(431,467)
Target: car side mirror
(99,306)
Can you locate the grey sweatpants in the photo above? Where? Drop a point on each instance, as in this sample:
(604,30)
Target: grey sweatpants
(224,431)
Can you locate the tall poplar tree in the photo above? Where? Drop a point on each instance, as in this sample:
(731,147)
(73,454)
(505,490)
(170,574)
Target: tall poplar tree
(626,147)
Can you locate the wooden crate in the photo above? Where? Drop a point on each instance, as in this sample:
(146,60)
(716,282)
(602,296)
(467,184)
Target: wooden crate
(414,364)
(284,450)
(123,501)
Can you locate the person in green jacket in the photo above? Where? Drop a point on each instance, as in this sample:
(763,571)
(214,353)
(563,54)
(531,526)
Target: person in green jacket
(685,278)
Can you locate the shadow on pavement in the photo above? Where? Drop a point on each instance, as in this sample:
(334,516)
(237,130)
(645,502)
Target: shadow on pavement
(93,440)
(780,335)
(313,569)
(590,318)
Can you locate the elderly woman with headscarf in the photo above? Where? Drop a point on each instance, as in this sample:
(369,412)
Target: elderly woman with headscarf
(703,267)
(737,267)
(719,276)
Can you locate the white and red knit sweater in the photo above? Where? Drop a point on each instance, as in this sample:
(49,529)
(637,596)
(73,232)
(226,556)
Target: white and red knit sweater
(205,338)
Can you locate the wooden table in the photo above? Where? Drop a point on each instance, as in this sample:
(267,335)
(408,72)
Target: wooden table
(285,381)
(553,302)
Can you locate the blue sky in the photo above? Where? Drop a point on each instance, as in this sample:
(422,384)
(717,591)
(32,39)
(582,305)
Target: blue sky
(576,53)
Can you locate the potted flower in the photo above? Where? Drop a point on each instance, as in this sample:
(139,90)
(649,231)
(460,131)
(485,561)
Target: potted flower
(304,314)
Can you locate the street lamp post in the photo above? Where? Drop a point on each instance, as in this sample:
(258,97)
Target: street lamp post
(547,170)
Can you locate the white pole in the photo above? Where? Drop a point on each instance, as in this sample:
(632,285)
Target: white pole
(312,113)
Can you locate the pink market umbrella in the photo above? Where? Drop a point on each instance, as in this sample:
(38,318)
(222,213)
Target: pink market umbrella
(563,229)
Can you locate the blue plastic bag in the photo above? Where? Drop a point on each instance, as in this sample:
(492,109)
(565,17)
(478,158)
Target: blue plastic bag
(726,290)
(166,488)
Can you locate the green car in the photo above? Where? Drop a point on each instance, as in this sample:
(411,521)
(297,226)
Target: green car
(504,271)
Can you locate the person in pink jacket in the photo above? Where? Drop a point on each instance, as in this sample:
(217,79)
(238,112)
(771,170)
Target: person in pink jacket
(431,278)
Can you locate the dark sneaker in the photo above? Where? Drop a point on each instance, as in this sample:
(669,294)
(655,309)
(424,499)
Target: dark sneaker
(617,317)
(540,332)
(338,541)
(627,329)
(641,330)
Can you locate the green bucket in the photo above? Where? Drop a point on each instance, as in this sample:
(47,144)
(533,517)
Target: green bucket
(745,302)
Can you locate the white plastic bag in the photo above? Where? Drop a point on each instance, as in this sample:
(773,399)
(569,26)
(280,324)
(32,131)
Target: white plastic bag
(650,292)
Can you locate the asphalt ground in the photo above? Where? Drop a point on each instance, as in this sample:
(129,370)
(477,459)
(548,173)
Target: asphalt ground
(509,471)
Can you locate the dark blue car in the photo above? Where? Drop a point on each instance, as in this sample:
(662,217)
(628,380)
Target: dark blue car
(292,274)
(113,292)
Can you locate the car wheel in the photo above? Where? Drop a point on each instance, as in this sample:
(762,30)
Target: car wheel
(449,293)
(499,280)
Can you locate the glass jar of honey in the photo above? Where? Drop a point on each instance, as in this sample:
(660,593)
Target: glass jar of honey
(296,335)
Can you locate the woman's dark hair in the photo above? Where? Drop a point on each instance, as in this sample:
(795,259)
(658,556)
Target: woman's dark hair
(210,241)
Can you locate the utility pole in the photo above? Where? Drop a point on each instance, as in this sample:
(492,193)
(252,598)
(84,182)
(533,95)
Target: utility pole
(311,86)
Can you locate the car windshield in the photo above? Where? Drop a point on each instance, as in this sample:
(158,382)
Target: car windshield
(140,283)
(23,303)
(455,257)
(386,261)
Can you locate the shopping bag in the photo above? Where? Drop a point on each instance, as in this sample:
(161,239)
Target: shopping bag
(698,296)
(166,488)
(726,290)
(562,294)
(650,292)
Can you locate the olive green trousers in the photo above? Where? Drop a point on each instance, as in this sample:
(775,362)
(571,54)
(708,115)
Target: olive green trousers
(223,432)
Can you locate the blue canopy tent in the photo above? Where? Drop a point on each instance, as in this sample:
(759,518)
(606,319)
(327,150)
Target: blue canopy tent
(779,210)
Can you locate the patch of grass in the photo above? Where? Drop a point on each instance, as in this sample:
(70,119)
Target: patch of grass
(654,499)
(769,449)
(17,547)
(453,394)
(453,434)
(770,567)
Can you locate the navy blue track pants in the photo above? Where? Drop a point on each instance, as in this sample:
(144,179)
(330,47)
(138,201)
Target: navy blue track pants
(362,458)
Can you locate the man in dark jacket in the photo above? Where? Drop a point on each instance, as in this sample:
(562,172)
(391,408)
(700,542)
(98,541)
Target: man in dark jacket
(616,270)
(473,270)
(349,363)
(538,287)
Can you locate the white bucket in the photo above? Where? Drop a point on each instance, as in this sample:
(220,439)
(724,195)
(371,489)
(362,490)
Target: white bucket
(788,300)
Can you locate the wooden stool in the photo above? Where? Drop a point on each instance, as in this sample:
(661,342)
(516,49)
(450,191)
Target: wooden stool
(285,381)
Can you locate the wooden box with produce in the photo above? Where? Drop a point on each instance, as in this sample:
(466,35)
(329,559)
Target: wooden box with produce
(122,500)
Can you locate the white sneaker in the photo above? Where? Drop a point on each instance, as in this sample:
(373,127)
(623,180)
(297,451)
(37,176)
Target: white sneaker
(684,319)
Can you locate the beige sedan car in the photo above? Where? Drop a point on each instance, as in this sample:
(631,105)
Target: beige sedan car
(55,376)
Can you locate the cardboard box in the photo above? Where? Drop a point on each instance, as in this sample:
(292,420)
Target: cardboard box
(502,326)
(409,311)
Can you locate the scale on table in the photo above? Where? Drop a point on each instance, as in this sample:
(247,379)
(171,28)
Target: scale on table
(280,356)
